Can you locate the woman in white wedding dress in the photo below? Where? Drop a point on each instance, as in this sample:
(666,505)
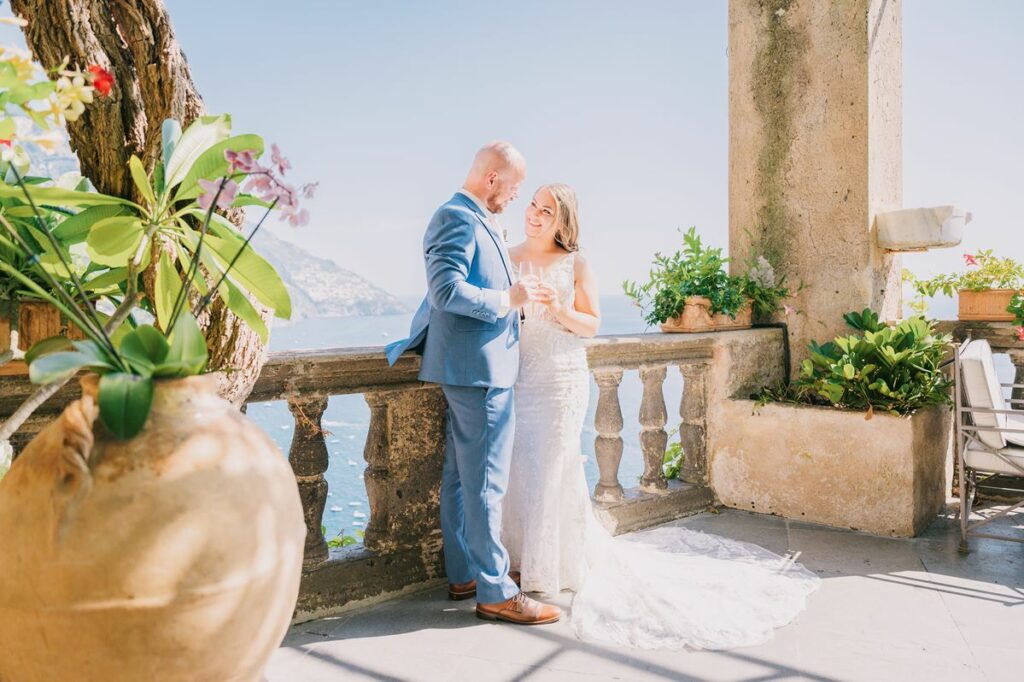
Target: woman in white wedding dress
(669,587)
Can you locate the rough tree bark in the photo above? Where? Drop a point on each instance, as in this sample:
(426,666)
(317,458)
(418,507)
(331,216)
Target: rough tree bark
(134,40)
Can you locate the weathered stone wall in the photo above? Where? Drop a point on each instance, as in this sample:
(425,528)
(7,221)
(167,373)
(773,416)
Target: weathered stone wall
(815,152)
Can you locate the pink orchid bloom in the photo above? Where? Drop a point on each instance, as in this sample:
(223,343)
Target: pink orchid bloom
(280,161)
(1020,333)
(210,188)
(788,309)
(243,161)
(259,183)
(295,218)
(970,260)
(309,189)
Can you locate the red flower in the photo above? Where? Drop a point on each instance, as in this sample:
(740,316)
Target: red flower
(102,79)
(970,260)
(6,143)
(1020,333)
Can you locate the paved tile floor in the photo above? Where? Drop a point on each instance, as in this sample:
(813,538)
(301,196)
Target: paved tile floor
(900,610)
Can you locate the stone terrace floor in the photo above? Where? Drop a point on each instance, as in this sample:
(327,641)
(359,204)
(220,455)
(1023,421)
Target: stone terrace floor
(900,610)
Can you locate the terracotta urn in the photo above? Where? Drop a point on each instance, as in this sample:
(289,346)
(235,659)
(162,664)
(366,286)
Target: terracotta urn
(697,317)
(988,305)
(175,555)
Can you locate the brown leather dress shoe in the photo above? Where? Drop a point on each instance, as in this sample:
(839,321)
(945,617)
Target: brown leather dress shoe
(460,591)
(520,610)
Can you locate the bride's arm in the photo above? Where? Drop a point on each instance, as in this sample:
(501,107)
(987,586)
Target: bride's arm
(584,317)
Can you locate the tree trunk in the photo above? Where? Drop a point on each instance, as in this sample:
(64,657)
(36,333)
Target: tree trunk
(135,41)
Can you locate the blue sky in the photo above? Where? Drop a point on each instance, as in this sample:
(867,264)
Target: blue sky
(385,102)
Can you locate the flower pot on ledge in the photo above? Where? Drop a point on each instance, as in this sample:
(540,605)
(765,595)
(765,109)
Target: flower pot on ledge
(988,305)
(697,317)
(38,320)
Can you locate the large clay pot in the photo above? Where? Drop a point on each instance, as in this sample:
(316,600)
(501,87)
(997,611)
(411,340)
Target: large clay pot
(697,317)
(172,556)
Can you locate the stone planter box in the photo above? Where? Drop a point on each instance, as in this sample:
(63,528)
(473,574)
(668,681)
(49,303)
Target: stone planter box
(886,475)
(988,305)
(697,317)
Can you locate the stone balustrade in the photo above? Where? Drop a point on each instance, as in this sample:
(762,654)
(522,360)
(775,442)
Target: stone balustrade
(404,446)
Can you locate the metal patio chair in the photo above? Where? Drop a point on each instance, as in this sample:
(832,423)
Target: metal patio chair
(989,435)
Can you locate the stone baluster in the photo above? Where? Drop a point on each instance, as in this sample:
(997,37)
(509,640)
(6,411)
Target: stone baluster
(308,457)
(693,427)
(1017,358)
(653,417)
(404,453)
(608,444)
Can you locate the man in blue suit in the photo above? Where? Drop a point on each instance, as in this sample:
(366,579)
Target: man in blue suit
(468,331)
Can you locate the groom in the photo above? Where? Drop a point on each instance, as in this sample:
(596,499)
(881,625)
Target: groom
(468,330)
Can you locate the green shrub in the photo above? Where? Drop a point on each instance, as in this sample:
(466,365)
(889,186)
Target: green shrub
(891,368)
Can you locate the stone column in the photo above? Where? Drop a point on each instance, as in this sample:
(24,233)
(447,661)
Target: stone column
(653,417)
(693,427)
(404,453)
(815,137)
(608,444)
(308,457)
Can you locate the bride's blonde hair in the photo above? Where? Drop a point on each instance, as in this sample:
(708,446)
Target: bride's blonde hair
(567,215)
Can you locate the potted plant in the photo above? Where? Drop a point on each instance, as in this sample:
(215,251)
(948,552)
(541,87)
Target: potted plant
(151,510)
(35,105)
(989,289)
(859,440)
(690,291)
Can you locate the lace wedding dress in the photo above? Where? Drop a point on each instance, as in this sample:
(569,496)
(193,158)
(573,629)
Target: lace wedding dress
(666,588)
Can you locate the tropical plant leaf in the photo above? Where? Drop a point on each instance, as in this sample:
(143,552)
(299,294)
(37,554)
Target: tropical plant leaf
(200,135)
(253,273)
(188,345)
(57,366)
(211,164)
(60,197)
(125,401)
(141,179)
(167,287)
(76,228)
(114,241)
(52,344)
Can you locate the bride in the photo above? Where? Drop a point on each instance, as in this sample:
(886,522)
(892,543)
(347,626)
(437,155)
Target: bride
(670,587)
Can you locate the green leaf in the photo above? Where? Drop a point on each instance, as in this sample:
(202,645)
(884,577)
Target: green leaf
(167,287)
(60,197)
(849,371)
(114,241)
(76,228)
(53,344)
(188,345)
(240,305)
(202,134)
(253,273)
(108,282)
(7,127)
(145,347)
(57,366)
(170,133)
(141,179)
(125,401)
(211,164)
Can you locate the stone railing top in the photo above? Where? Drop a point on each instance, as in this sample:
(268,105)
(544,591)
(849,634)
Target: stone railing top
(1002,336)
(336,371)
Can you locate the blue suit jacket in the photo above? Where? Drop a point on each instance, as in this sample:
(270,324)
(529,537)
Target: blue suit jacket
(463,340)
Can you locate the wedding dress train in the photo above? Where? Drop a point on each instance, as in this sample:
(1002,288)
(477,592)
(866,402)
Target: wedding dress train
(666,588)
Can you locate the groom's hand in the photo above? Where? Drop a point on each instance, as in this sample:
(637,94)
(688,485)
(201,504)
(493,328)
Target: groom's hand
(522,292)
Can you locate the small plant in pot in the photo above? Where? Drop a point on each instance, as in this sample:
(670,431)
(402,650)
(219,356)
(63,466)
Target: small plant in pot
(990,289)
(691,291)
(151,510)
